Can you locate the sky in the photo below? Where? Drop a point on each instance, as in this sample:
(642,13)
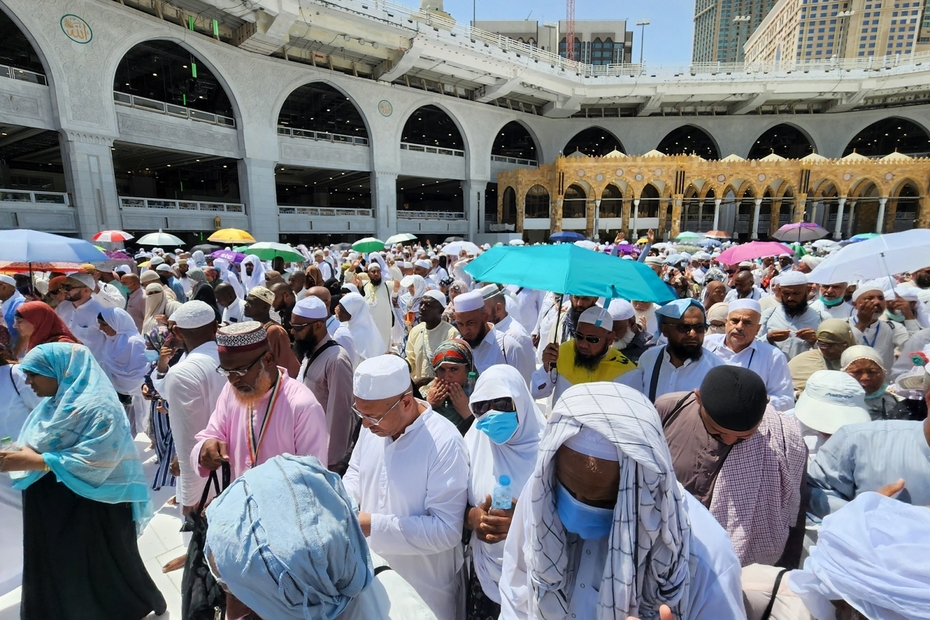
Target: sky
(668,37)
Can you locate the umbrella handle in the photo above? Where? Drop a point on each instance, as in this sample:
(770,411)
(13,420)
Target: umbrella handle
(553,372)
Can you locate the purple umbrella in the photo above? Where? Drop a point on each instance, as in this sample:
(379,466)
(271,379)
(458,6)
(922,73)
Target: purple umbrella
(117,255)
(233,257)
(801,232)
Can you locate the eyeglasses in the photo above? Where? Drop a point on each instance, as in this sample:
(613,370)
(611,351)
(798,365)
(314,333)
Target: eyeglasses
(297,328)
(591,339)
(826,345)
(685,328)
(377,421)
(498,404)
(239,372)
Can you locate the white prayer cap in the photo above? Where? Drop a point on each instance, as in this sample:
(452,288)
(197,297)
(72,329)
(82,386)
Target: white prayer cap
(489,291)
(156,260)
(908,293)
(406,265)
(598,317)
(621,310)
(425,264)
(318,253)
(653,261)
(437,295)
(831,399)
(164,268)
(745,304)
(432,254)
(193,314)
(311,307)
(7,279)
(746,264)
(861,352)
(868,286)
(124,269)
(784,255)
(792,278)
(467,302)
(85,279)
(592,443)
(381,377)
(701,256)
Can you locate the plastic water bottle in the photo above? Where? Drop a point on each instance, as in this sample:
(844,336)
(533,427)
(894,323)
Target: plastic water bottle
(470,382)
(8,444)
(502,498)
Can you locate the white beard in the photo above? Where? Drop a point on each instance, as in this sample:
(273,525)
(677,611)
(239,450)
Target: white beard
(625,341)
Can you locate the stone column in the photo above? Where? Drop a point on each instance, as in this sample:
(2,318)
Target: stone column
(384,200)
(676,218)
(717,202)
(840,206)
(521,211)
(89,176)
(700,215)
(555,219)
(625,215)
(755,218)
(923,213)
(634,234)
(590,217)
(257,191)
(663,217)
(473,192)
(891,214)
(800,205)
(880,221)
(852,216)
(774,216)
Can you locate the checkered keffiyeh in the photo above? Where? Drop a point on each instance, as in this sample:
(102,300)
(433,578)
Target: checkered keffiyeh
(651,535)
(758,491)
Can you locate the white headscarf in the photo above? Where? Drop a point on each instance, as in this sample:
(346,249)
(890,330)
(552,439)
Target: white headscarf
(650,539)
(365,334)
(515,458)
(123,358)
(258,272)
(377,258)
(229,276)
(199,259)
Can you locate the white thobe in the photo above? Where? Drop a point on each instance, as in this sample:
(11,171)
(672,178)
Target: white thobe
(529,304)
(917,342)
(415,489)
(774,319)
(192,387)
(379,303)
(499,348)
(326,270)
(548,314)
(732,295)
(840,311)
(235,312)
(884,336)
(685,378)
(82,321)
(514,329)
(109,296)
(341,334)
(714,592)
(764,360)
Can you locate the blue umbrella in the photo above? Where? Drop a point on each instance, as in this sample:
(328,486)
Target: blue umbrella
(570,270)
(566,237)
(32,246)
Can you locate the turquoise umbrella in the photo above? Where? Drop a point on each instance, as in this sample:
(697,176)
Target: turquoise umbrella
(570,270)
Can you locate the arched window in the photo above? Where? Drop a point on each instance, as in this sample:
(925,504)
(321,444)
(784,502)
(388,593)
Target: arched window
(320,107)
(509,200)
(611,202)
(430,126)
(513,140)
(574,202)
(689,139)
(536,203)
(17,52)
(593,142)
(785,141)
(890,135)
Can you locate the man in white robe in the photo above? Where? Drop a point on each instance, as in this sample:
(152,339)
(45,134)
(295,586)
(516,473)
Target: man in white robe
(739,347)
(489,346)
(792,325)
(409,474)
(377,293)
(832,302)
(79,312)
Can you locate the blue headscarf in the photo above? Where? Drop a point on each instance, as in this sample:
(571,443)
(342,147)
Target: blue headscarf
(82,432)
(285,540)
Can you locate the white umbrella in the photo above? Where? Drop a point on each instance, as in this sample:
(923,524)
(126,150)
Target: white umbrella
(879,257)
(516,242)
(159,238)
(455,248)
(824,243)
(400,238)
(586,244)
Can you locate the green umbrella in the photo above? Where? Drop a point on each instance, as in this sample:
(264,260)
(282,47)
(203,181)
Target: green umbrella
(688,236)
(368,244)
(269,250)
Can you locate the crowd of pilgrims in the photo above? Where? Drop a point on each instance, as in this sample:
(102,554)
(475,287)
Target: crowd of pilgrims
(754,449)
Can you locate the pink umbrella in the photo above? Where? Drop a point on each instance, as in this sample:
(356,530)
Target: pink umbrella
(755,249)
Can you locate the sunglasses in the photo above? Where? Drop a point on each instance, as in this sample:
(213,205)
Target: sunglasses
(685,328)
(498,404)
(591,339)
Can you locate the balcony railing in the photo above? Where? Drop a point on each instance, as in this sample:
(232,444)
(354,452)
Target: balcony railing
(18,195)
(324,211)
(323,136)
(171,109)
(421,148)
(515,160)
(23,75)
(180,205)
(430,215)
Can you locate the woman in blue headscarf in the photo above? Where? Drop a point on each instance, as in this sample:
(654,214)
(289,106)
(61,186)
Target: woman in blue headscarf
(81,559)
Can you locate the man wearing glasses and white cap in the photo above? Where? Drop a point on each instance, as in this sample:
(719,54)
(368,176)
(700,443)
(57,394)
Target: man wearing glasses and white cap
(409,475)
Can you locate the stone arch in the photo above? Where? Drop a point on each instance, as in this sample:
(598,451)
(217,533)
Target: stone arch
(537,203)
(824,181)
(781,139)
(866,193)
(448,114)
(610,142)
(509,203)
(904,135)
(575,201)
(537,153)
(611,201)
(293,88)
(903,206)
(30,40)
(650,198)
(689,138)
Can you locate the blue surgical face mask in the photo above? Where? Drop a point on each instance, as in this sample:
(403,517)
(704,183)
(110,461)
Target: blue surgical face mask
(588,522)
(499,426)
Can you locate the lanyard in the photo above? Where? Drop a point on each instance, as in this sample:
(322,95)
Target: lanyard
(752,352)
(255,444)
(878,327)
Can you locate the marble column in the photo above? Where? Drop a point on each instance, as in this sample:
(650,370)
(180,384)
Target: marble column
(755,218)
(384,200)
(840,206)
(880,221)
(852,217)
(88,165)
(473,193)
(717,202)
(257,191)
(634,233)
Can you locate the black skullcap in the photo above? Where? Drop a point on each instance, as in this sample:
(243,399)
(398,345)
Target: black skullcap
(734,398)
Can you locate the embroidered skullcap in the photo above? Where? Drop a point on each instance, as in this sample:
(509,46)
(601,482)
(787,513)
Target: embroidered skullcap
(677,308)
(164,268)
(467,302)
(193,314)
(592,443)
(262,294)
(240,337)
(148,277)
(745,304)
(7,279)
(598,317)
(311,307)
(425,264)
(792,278)
(861,352)
(734,397)
(868,286)
(437,295)
(82,279)
(453,351)
(621,310)
(154,288)
(381,377)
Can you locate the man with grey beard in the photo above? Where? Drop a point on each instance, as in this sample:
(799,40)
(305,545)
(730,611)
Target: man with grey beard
(629,339)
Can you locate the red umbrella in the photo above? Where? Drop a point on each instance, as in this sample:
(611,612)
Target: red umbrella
(717,234)
(112,236)
(21,267)
(755,249)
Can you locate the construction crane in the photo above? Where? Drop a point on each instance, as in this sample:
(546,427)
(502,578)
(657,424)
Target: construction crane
(570,29)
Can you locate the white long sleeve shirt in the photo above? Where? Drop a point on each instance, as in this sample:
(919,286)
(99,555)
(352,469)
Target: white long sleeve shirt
(192,387)
(500,348)
(671,379)
(884,336)
(82,321)
(764,360)
(415,489)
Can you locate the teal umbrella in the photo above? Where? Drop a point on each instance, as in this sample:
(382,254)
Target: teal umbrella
(368,244)
(269,250)
(570,270)
(688,236)
(863,236)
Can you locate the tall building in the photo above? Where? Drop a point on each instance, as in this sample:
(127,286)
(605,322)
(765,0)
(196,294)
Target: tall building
(721,27)
(596,42)
(800,31)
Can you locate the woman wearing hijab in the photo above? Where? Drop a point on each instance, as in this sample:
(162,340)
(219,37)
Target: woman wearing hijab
(314,276)
(834,336)
(38,324)
(865,365)
(202,291)
(85,499)
(124,362)
(410,301)
(352,310)
(198,259)
(157,305)
(503,442)
(228,275)
(449,390)
(253,272)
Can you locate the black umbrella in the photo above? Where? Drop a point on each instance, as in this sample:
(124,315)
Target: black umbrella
(206,248)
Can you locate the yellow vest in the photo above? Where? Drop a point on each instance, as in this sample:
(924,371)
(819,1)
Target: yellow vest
(613,364)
